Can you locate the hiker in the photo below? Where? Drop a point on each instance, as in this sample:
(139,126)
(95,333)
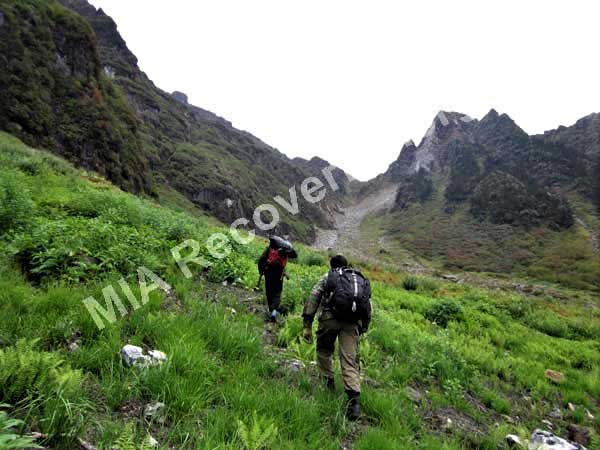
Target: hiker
(344,296)
(271,265)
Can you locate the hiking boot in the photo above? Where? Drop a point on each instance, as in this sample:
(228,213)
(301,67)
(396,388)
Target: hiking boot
(353,411)
(273,316)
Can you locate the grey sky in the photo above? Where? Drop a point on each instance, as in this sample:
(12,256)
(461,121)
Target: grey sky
(351,81)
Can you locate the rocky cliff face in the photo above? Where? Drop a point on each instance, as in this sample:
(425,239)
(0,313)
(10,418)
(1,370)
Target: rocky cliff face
(505,175)
(226,171)
(53,93)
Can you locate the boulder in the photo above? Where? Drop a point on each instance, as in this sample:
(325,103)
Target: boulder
(544,440)
(450,277)
(133,355)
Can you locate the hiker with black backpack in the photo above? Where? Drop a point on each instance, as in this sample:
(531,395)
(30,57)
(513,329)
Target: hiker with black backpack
(272,265)
(344,296)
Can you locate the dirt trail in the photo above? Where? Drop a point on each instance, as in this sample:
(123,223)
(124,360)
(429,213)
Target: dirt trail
(595,240)
(346,238)
(346,235)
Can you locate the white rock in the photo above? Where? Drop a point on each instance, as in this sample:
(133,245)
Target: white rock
(152,409)
(131,354)
(589,414)
(134,356)
(73,346)
(514,441)
(571,406)
(157,356)
(544,440)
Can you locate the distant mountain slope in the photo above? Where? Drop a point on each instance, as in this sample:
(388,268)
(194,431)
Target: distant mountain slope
(73,85)
(501,173)
(483,195)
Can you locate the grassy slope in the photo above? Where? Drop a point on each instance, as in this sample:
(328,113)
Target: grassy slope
(459,241)
(66,234)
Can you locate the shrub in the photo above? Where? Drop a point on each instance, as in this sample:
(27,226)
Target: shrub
(314,260)
(15,204)
(549,324)
(443,312)
(410,284)
(427,285)
(77,249)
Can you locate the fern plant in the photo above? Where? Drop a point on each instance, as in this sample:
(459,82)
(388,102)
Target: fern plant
(259,435)
(9,439)
(25,372)
(127,440)
(42,382)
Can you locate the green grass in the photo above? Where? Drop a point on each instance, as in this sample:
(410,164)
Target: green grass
(474,353)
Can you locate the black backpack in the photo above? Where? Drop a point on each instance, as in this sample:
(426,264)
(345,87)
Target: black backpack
(350,294)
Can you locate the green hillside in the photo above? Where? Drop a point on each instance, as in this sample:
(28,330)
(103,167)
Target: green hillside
(69,83)
(458,241)
(446,366)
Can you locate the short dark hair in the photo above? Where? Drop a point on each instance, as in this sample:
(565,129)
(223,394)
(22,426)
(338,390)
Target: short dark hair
(338,261)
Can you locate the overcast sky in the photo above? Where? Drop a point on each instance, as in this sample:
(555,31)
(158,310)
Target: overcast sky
(351,81)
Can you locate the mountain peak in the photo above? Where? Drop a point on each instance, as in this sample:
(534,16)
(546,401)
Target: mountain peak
(444,119)
(408,144)
(499,124)
(492,114)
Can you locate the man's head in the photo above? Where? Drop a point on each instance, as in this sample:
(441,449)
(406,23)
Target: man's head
(338,261)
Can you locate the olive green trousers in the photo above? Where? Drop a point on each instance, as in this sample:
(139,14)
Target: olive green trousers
(329,330)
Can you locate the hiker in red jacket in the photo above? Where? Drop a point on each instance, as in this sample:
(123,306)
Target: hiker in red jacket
(272,265)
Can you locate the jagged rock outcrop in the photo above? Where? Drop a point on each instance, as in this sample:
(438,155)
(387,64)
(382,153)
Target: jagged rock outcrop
(180,97)
(503,174)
